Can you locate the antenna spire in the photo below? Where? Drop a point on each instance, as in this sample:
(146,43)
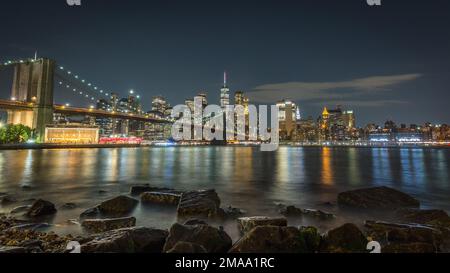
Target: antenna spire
(35,55)
(224,78)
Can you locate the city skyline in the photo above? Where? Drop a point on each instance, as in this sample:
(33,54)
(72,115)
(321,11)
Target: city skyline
(369,68)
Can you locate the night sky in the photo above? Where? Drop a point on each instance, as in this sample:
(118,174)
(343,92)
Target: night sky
(388,62)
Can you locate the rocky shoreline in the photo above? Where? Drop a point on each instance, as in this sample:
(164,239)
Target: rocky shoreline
(109,228)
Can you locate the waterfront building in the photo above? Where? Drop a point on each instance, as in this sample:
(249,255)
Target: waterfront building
(306,131)
(287,115)
(71,134)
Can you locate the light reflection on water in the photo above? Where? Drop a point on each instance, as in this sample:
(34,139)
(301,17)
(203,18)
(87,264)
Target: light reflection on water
(244,177)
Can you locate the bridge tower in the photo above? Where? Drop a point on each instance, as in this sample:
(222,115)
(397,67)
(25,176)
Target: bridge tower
(33,84)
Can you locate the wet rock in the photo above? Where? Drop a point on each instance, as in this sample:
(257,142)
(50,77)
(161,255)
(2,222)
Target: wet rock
(187,248)
(203,204)
(212,239)
(41,208)
(377,198)
(245,224)
(127,240)
(230,213)
(193,222)
(7,200)
(385,232)
(90,212)
(271,239)
(118,205)
(408,248)
(12,249)
(294,212)
(312,238)
(69,206)
(139,189)
(30,226)
(20,209)
(162,198)
(432,217)
(102,225)
(344,239)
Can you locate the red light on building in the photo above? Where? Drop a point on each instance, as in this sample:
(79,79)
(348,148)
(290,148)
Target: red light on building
(120,140)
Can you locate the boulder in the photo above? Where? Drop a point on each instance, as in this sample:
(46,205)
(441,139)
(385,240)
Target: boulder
(7,200)
(90,212)
(294,212)
(385,232)
(203,204)
(20,209)
(163,198)
(41,208)
(139,189)
(102,225)
(426,217)
(187,248)
(377,198)
(271,239)
(230,213)
(212,239)
(12,249)
(127,240)
(193,222)
(118,205)
(245,224)
(312,238)
(408,248)
(347,238)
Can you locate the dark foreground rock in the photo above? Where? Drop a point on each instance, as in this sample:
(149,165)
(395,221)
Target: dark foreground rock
(212,239)
(193,222)
(12,249)
(139,189)
(432,217)
(162,198)
(7,200)
(187,247)
(118,205)
(312,238)
(377,198)
(127,240)
(202,204)
(408,248)
(245,224)
(344,239)
(294,212)
(41,208)
(271,239)
(387,233)
(102,225)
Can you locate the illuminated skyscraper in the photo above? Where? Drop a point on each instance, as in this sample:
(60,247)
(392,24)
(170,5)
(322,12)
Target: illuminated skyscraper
(224,93)
(287,116)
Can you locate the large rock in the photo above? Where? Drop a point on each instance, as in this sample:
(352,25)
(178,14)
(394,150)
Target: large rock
(294,212)
(102,225)
(138,189)
(212,239)
(245,224)
(203,204)
(12,249)
(163,198)
(344,239)
(377,198)
(312,238)
(408,248)
(271,239)
(7,200)
(387,233)
(41,208)
(118,205)
(426,217)
(127,240)
(187,248)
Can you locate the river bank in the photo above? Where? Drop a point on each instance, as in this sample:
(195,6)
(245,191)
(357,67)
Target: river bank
(108,226)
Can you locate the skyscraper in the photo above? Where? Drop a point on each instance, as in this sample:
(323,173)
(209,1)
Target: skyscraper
(224,93)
